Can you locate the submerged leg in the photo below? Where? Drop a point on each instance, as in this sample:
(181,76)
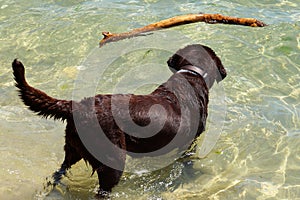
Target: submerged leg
(71,157)
(108,178)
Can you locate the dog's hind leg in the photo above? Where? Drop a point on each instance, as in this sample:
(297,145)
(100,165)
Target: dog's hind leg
(71,157)
(108,178)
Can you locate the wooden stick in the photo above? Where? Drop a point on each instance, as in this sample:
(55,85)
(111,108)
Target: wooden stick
(180,20)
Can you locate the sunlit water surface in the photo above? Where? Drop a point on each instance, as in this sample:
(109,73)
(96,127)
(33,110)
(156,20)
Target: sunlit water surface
(258,153)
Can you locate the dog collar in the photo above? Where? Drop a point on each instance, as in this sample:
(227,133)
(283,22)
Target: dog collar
(194,70)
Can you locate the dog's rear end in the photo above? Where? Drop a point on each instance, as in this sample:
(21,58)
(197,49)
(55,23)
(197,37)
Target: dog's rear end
(47,106)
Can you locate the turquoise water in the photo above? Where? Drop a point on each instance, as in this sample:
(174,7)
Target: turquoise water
(257,155)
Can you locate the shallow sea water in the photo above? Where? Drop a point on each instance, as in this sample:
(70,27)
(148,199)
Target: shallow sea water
(257,155)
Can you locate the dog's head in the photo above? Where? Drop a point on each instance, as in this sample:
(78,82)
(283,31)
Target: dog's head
(201,57)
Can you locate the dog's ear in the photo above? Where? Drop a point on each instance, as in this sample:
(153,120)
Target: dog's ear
(176,62)
(218,62)
(173,62)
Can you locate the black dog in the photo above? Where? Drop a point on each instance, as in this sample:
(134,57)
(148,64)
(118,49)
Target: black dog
(181,115)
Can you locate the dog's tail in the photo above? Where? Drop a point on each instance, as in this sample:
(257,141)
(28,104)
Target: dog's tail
(37,100)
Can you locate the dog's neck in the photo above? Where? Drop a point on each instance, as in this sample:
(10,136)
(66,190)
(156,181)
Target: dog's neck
(194,70)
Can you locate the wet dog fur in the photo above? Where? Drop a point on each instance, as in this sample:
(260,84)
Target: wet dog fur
(195,65)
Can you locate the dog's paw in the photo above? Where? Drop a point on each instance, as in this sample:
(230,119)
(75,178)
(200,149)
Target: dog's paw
(102,194)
